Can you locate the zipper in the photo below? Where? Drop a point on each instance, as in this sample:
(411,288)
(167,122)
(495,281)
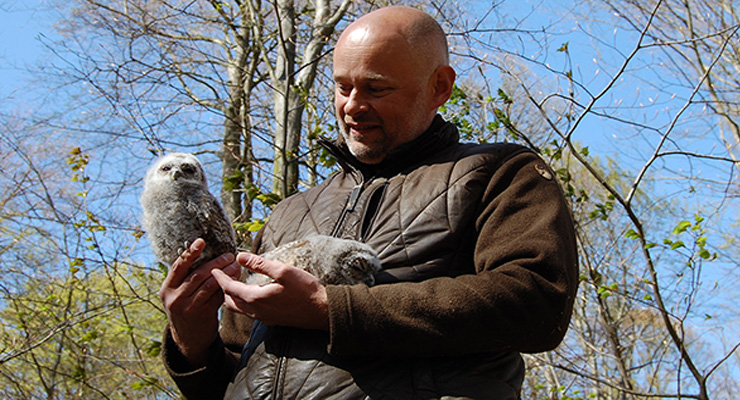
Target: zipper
(276,394)
(277,382)
(348,208)
(371,211)
(278,379)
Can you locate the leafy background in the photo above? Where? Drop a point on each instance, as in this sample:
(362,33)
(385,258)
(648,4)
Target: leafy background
(633,103)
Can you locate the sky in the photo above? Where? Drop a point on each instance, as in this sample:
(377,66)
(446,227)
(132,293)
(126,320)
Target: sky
(20,47)
(21,30)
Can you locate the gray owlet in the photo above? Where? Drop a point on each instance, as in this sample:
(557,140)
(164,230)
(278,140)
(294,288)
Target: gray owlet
(332,260)
(178,208)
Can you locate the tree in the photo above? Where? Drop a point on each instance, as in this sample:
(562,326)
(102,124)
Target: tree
(77,323)
(645,245)
(88,335)
(632,103)
(293,78)
(698,36)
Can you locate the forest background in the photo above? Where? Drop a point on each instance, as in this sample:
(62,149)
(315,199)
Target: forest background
(635,104)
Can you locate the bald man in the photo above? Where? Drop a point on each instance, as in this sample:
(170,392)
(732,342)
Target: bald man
(476,244)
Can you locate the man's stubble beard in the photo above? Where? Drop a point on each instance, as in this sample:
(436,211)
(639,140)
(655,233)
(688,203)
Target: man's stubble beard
(382,145)
(362,151)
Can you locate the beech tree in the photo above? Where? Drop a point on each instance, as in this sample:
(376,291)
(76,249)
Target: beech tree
(650,227)
(633,103)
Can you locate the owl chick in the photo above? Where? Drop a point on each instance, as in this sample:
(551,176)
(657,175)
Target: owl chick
(178,208)
(332,260)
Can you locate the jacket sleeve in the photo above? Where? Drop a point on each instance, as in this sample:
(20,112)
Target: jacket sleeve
(210,381)
(520,298)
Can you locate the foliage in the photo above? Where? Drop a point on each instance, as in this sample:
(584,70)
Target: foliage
(91,335)
(632,103)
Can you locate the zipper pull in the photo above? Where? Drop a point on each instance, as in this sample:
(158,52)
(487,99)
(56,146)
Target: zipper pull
(353,197)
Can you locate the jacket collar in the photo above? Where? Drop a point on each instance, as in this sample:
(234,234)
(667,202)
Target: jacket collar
(440,135)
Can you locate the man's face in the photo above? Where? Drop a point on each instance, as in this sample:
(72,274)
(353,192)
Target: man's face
(381,99)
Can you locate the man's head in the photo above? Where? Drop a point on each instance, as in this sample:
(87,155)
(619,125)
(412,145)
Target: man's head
(391,69)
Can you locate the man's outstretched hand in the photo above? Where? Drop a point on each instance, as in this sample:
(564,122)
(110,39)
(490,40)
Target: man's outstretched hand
(191,301)
(294,298)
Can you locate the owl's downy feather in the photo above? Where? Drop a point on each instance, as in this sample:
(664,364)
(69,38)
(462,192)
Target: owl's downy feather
(178,208)
(332,260)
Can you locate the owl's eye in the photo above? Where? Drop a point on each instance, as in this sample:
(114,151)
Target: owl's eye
(188,169)
(166,168)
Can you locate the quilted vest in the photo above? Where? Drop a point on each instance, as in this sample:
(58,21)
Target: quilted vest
(417,210)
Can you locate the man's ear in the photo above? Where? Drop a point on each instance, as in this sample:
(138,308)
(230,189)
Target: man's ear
(442,80)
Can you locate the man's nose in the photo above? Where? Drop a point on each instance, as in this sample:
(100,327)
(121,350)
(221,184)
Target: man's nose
(355,103)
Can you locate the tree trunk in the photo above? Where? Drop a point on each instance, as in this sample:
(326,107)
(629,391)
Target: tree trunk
(292,91)
(236,148)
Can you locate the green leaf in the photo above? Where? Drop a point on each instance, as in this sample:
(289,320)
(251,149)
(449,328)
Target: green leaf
(153,348)
(89,336)
(162,268)
(504,97)
(234,181)
(146,381)
(604,292)
(79,373)
(268,199)
(681,227)
(677,244)
(252,226)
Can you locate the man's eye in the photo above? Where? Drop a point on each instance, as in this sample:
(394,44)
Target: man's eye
(344,89)
(378,89)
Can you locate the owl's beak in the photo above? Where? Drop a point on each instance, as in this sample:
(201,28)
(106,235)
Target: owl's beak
(175,174)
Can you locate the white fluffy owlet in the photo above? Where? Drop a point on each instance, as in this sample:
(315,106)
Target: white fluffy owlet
(178,208)
(332,260)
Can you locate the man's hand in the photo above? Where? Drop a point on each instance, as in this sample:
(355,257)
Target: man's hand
(295,298)
(191,301)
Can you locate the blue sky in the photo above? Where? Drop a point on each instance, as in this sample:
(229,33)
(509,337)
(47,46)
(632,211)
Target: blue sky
(21,28)
(20,48)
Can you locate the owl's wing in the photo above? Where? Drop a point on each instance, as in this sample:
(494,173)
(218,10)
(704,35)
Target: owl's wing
(215,227)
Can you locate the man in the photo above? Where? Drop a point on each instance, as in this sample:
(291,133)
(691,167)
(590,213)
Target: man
(476,243)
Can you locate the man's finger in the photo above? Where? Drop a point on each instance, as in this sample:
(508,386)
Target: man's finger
(235,304)
(236,294)
(230,285)
(200,281)
(260,265)
(181,267)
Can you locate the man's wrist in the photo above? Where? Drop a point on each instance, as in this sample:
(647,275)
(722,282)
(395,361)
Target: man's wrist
(195,358)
